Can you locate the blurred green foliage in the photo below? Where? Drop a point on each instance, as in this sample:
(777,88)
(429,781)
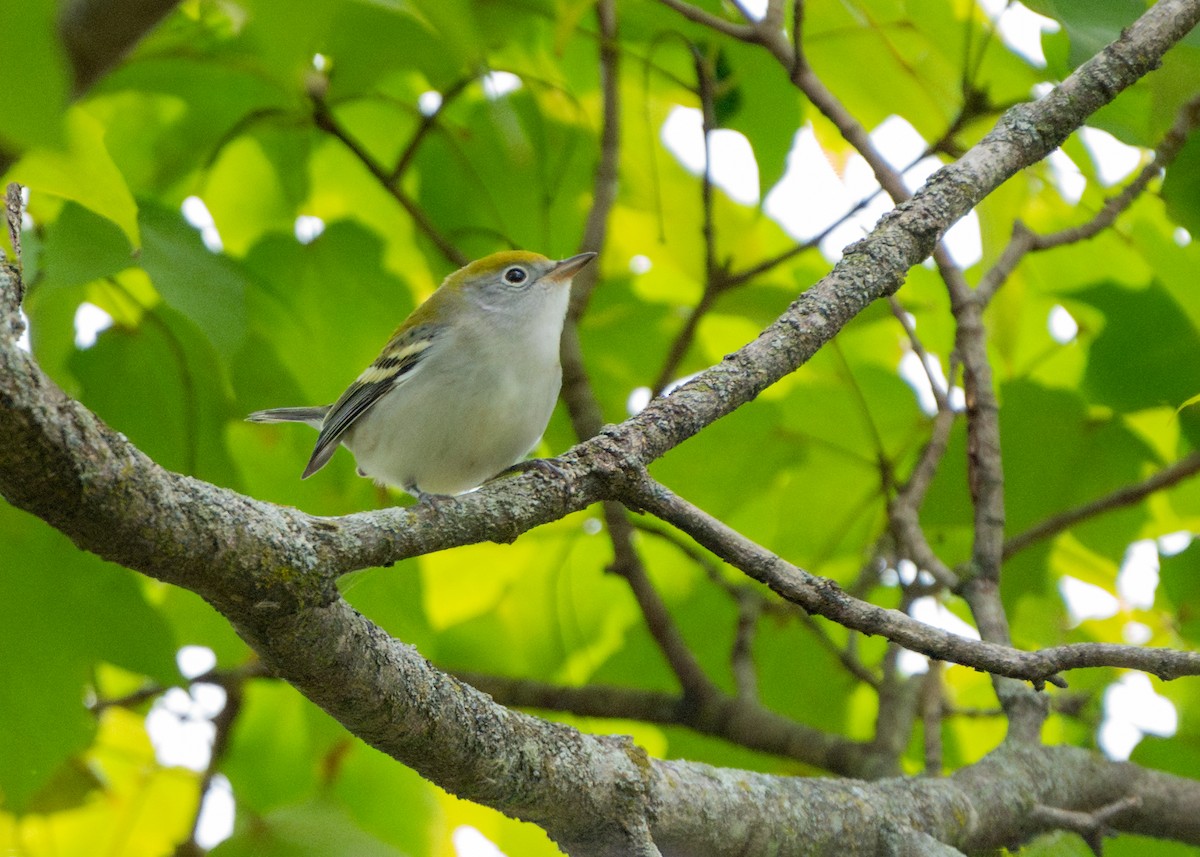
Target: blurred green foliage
(218,103)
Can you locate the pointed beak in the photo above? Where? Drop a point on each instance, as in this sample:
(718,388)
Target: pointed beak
(567,268)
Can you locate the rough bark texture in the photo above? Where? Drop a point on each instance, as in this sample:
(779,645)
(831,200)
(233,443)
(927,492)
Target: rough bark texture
(272,571)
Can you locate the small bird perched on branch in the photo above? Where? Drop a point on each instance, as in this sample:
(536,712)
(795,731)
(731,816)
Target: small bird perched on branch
(465,386)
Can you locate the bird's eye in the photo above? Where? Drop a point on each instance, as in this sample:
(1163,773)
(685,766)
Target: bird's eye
(515,275)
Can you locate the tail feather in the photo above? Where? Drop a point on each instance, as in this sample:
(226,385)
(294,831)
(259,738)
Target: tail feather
(320,458)
(313,416)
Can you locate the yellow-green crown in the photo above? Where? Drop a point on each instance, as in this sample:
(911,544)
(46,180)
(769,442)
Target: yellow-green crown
(494,264)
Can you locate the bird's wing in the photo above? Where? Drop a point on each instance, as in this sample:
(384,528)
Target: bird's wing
(400,359)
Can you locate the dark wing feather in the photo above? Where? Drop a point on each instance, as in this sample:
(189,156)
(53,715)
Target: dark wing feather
(397,363)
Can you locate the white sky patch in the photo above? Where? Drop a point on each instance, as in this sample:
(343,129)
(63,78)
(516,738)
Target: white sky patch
(429,102)
(308,228)
(1086,600)
(23,342)
(916,377)
(217,814)
(756,9)
(932,612)
(1138,577)
(497,84)
(901,145)
(1137,633)
(320,62)
(637,400)
(180,721)
(469,842)
(811,195)
(1182,237)
(809,178)
(195,660)
(1173,543)
(640,264)
(963,241)
(906,571)
(1067,178)
(1132,710)
(180,729)
(734,168)
(1114,160)
(1062,325)
(196,213)
(1020,28)
(90,322)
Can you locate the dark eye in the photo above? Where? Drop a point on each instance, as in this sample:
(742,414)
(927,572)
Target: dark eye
(515,275)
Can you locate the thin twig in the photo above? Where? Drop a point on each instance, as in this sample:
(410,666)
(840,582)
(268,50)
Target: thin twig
(1093,826)
(605,181)
(222,733)
(743,32)
(903,511)
(1025,241)
(825,598)
(740,592)
(224,678)
(1118,499)
(428,123)
(931,718)
(627,563)
(325,120)
(741,659)
(739,721)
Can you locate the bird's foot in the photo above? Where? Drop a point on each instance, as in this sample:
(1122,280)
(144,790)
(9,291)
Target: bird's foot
(544,465)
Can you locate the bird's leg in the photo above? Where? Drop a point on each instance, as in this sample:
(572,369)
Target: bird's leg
(424,499)
(545,465)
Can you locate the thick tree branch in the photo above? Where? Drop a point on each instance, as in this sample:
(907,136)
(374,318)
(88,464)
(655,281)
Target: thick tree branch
(88,481)
(97,33)
(271,571)
(1025,240)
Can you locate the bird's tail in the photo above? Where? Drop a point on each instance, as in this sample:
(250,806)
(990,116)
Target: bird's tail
(313,416)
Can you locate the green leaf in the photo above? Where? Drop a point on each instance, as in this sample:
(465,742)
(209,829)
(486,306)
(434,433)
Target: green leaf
(38,78)
(364,776)
(167,362)
(82,170)
(1145,334)
(257,184)
(205,287)
(1181,187)
(82,246)
(65,611)
(276,723)
(316,829)
(1179,584)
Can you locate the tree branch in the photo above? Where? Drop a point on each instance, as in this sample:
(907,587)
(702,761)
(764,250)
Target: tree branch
(271,571)
(739,721)
(97,33)
(1024,240)
(326,121)
(1118,499)
(825,598)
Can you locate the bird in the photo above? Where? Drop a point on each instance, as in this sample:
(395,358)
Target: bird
(465,386)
